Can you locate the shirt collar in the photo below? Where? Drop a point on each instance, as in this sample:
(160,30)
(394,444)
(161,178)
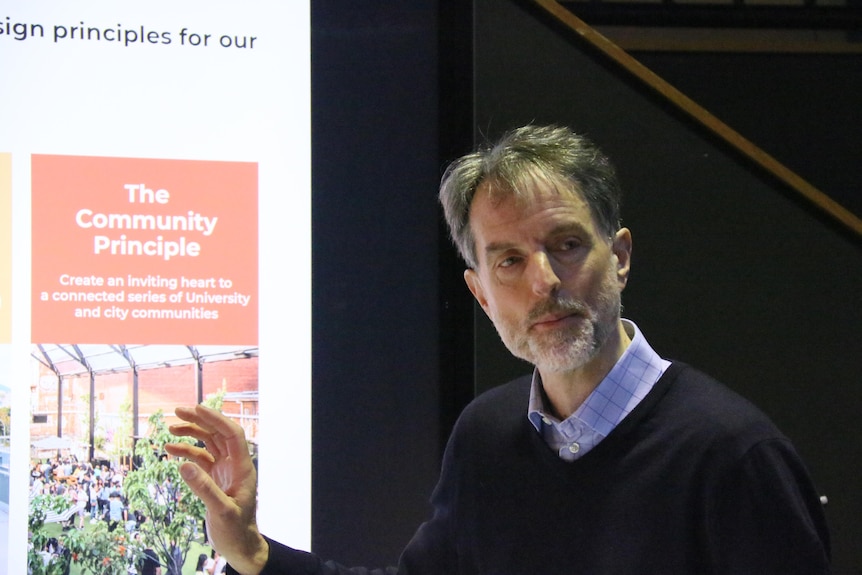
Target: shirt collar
(628,382)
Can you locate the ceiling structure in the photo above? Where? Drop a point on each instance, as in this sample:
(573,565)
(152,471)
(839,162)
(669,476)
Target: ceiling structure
(726,25)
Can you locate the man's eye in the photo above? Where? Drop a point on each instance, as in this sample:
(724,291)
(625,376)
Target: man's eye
(509,262)
(569,245)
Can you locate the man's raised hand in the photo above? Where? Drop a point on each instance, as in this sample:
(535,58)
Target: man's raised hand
(222,474)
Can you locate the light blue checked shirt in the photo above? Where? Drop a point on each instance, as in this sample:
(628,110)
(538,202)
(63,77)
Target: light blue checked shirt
(616,396)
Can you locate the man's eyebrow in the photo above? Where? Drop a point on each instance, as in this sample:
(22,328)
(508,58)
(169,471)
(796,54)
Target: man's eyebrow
(497,247)
(559,230)
(569,228)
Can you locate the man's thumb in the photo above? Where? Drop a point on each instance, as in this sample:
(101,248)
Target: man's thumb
(201,484)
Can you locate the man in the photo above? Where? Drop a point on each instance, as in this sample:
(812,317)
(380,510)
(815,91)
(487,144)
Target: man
(609,459)
(149,563)
(116,511)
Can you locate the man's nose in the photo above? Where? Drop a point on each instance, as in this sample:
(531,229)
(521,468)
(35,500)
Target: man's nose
(543,277)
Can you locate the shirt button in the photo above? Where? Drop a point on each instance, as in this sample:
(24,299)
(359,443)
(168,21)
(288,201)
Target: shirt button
(574,447)
(546,421)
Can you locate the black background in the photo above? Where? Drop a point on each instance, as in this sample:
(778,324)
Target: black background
(731,272)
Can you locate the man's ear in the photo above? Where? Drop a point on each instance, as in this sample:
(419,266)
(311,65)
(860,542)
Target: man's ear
(622,248)
(474,283)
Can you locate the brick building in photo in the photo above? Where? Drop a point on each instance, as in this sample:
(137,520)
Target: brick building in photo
(167,376)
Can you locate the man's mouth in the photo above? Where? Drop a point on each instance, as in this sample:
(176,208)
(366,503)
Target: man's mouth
(555,320)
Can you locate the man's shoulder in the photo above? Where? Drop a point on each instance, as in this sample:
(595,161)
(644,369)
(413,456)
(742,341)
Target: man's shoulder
(510,396)
(701,390)
(693,402)
(501,407)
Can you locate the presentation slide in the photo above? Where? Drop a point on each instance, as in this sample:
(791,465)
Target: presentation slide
(155,230)
(5,335)
(5,247)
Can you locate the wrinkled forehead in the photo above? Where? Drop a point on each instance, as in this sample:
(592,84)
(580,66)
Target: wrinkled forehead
(527,187)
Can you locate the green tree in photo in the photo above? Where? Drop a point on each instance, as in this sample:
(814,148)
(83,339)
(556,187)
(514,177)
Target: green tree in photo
(215,400)
(41,558)
(173,520)
(174,516)
(122,444)
(99,551)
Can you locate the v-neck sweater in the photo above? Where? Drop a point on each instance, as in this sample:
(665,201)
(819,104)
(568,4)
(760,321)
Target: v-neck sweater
(695,480)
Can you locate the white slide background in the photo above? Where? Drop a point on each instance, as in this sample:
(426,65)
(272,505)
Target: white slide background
(151,99)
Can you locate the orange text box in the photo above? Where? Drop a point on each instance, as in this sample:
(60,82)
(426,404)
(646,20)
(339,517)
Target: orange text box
(144,251)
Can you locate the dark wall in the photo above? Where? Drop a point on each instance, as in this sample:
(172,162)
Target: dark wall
(803,109)
(375,169)
(731,272)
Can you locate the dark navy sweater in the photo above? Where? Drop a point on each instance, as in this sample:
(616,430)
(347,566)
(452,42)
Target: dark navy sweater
(695,480)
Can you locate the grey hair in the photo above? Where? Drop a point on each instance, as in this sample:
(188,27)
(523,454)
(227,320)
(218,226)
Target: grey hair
(519,160)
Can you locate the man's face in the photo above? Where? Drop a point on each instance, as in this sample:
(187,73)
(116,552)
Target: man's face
(546,277)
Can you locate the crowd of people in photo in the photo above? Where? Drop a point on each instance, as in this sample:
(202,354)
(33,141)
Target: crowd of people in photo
(212,564)
(95,491)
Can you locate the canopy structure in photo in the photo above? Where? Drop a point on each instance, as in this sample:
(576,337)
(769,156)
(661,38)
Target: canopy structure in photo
(52,444)
(91,360)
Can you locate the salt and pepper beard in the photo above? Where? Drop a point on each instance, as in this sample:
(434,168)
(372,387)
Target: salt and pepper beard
(569,348)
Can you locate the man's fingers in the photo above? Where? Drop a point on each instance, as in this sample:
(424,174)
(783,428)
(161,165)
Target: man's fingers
(221,435)
(189,414)
(201,456)
(205,417)
(195,431)
(188,430)
(228,436)
(205,488)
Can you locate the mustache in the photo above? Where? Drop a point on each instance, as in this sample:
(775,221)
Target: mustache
(557,306)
